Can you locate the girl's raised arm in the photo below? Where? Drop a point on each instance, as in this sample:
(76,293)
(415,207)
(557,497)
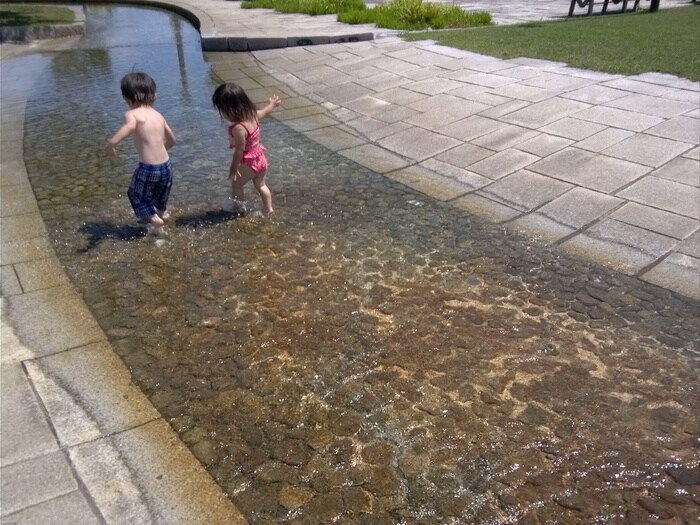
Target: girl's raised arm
(271,105)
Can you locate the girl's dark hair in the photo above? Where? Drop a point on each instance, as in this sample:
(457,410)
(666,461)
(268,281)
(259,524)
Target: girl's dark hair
(138,88)
(232,103)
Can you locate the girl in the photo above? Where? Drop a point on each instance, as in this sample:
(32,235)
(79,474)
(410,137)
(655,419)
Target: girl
(249,162)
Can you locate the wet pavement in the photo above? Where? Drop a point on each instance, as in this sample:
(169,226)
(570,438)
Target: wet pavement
(385,356)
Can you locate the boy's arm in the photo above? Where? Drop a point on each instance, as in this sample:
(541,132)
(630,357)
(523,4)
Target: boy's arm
(169,136)
(127,129)
(271,105)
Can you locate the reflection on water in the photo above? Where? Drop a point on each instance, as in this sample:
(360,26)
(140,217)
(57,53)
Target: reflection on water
(368,355)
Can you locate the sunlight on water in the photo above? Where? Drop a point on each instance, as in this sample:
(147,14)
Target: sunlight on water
(368,355)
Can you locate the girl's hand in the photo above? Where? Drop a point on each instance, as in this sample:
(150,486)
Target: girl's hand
(234,175)
(274,100)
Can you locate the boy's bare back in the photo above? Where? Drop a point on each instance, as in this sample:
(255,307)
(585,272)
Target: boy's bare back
(152,135)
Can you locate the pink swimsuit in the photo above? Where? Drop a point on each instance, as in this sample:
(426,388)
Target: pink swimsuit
(253,151)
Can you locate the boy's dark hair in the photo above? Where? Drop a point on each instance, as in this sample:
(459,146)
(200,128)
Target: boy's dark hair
(138,88)
(232,102)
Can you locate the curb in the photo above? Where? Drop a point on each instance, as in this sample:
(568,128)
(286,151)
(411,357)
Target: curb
(26,34)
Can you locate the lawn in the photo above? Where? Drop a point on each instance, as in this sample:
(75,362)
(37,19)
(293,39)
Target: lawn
(667,41)
(395,14)
(33,14)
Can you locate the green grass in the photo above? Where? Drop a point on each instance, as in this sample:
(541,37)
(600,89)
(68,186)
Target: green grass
(307,7)
(27,15)
(396,14)
(667,41)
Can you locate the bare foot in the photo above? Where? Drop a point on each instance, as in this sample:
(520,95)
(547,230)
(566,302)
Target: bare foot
(165,215)
(156,226)
(238,207)
(156,230)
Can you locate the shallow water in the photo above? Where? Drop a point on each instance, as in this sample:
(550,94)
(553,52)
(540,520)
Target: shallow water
(368,355)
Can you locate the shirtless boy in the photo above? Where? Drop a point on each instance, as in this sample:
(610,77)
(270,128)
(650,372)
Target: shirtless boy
(150,185)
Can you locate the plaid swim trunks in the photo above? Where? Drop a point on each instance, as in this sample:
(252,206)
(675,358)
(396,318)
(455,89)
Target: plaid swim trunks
(150,188)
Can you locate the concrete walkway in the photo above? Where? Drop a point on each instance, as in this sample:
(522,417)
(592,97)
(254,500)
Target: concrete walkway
(605,166)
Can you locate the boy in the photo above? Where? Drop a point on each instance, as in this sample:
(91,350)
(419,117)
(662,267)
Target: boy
(150,185)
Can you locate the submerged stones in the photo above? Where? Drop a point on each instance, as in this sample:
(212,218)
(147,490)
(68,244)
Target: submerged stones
(343,363)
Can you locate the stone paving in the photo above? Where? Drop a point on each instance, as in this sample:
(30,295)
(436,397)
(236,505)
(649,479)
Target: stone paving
(605,166)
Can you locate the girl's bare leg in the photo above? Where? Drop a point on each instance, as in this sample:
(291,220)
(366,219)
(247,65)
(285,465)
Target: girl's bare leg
(264,192)
(237,183)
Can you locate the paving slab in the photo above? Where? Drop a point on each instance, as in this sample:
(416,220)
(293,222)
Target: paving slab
(579,207)
(586,169)
(503,163)
(573,128)
(626,248)
(417,144)
(595,94)
(691,245)
(648,105)
(525,190)
(17,198)
(656,220)
(334,138)
(523,92)
(467,177)
(84,407)
(37,274)
(430,183)
(647,149)
(464,155)
(542,113)
(20,227)
(692,154)
(604,139)
(21,250)
(310,122)
(51,320)
(26,433)
(636,84)
(69,509)
(35,480)
(683,129)
(442,108)
(540,227)
(544,144)
(486,208)
(373,129)
(9,283)
(376,158)
(504,136)
(677,272)
(619,118)
(666,195)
